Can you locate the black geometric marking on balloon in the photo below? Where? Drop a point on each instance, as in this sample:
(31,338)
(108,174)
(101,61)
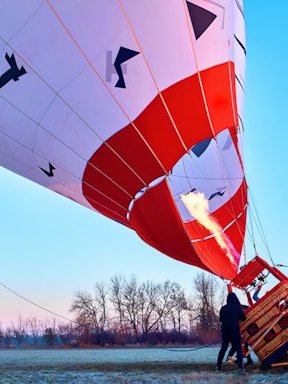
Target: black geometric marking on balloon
(110,69)
(216,194)
(241,44)
(241,85)
(13,73)
(50,172)
(221,7)
(201,147)
(123,55)
(200,17)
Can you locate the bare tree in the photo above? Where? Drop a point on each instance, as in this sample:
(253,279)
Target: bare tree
(50,336)
(180,307)
(144,307)
(8,337)
(84,330)
(149,295)
(101,302)
(90,309)
(50,331)
(1,333)
(205,292)
(19,330)
(157,302)
(131,304)
(117,300)
(33,329)
(66,333)
(167,302)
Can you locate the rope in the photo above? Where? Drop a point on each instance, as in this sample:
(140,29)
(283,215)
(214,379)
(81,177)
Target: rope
(252,232)
(190,350)
(261,229)
(37,305)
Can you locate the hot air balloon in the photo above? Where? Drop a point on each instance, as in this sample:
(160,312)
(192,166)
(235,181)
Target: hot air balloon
(134,109)
(124,107)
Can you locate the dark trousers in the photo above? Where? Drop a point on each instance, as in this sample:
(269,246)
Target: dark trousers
(233,337)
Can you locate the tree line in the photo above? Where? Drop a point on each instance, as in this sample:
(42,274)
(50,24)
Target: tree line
(128,311)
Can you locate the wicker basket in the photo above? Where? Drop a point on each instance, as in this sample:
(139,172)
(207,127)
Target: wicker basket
(261,317)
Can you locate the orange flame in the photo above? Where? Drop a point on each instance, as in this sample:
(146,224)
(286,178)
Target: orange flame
(198,206)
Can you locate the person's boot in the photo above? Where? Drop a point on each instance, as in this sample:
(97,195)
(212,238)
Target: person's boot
(249,360)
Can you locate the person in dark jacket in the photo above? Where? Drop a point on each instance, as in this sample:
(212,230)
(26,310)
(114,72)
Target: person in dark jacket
(245,346)
(230,315)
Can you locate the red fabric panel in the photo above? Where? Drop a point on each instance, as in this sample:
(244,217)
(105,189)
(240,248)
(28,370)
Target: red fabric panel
(96,198)
(135,152)
(233,95)
(112,166)
(96,179)
(215,258)
(156,220)
(236,233)
(218,86)
(234,135)
(157,129)
(186,104)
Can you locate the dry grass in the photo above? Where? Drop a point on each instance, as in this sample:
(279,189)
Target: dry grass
(51,376)
(140,373)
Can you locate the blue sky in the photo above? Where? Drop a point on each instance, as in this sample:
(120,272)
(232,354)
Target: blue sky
(51,247)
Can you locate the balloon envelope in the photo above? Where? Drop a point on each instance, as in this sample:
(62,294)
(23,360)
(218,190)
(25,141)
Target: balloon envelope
(124,106)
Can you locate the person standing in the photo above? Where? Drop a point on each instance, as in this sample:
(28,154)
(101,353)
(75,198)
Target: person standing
(230,316)
(245,347)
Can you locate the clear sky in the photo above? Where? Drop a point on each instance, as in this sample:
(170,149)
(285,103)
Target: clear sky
(51,246)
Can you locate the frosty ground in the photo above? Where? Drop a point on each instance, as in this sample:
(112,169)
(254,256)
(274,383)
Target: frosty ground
(126,366)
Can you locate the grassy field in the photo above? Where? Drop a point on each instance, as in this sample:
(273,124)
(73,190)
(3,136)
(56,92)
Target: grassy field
(137,366)
(145,373)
